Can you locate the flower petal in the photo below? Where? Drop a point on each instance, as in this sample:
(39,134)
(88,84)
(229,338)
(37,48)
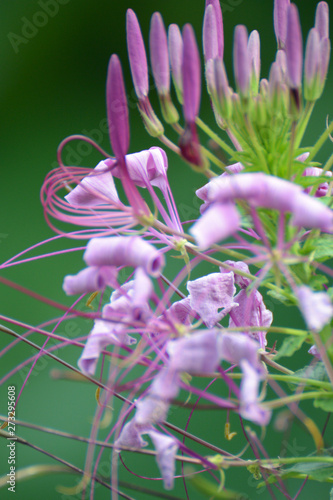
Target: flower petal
(316,307)
(196,353)
(218,222)
(166,448)
(90,279)
(96,188)
(212,296)
(124,251)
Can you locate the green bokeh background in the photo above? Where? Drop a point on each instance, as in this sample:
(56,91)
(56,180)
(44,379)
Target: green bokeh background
(51,87)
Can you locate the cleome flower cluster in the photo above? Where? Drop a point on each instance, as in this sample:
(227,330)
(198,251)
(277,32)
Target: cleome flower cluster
(266,204)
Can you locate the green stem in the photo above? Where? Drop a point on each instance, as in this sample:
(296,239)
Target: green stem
(319,143)
(277,403)
(256,145)
(323,353)
(291,150)
(213,158)
(328,164)
(215,137)
(303,123)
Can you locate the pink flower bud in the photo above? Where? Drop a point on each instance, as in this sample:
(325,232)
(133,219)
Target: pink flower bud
(191,72)
(280,21)
(175,44)
(241,60)
(137,55)
(159,56)
(213,37)
(322,20)
(294,48)
(117,108)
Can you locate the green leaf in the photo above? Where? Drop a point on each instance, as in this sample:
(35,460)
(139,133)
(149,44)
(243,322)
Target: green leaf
(311,180)
(325,404)
(316,372)
(323,247)
(290,345)
(326,338)
(287,301)
(317,471)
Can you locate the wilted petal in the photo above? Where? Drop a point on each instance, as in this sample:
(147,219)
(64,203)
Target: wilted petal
(249,391)
(117,108)
(159,56)
(165,384)
(137,55)
(212,296)
(96,188)
(151,410)
(124,251)
(251,311)
(316,307)
(181,311)
(314,351)
(130,436)
(90,279)
(218,222)
(191,74)
(103,334)
(241,281)
(235,347)
(196,353)
(166,448)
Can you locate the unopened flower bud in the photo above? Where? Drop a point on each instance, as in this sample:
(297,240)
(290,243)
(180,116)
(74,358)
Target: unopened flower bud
(280,21)
(175,44)
(294,48)
(322,20)
(312,66)
(159,57)
(213,37)
(137,55)
(253,48)
(218,88)
(241,60)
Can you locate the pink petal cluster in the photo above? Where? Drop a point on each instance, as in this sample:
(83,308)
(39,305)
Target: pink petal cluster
(258,190)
